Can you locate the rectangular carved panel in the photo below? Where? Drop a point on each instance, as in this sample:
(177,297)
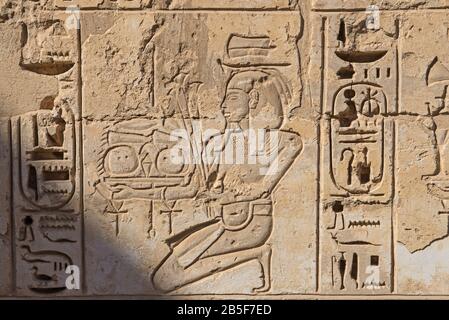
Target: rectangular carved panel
(357,157)
(42,159)
(178,4)
(145,204)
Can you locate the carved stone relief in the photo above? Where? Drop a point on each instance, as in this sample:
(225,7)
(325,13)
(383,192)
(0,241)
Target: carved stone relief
(269,148)
(42,150)
(185,220)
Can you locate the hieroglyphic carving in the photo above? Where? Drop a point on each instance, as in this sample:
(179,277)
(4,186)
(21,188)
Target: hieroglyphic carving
(357,139)
(48,269)
(421,217)
(48,47)
(358,146)
(137,157)
(46,150)
(438,75)
(46,163)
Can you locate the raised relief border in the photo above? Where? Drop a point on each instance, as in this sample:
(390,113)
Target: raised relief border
(45,162)
(206,218)
(362,5)
(383,169)
(92,156)
(356,244)
(239,5)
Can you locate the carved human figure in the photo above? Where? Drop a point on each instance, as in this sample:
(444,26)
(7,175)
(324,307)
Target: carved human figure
(239,195)
(437,183)
(440,139)
(54,132)
(361,169)
(444,151)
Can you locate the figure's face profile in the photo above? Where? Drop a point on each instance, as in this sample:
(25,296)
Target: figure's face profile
(235,106)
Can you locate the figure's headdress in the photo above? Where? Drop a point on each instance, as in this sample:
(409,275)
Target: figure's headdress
(250,51)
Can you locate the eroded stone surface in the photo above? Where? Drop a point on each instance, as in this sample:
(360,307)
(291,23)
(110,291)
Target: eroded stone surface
(334,113)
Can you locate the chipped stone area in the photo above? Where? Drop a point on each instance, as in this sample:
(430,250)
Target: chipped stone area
(335,114)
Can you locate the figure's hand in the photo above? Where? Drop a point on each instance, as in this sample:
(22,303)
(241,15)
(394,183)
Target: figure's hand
(232,197)
(122,192)
(227,198)
(263,194)
(208,195)
(189,178)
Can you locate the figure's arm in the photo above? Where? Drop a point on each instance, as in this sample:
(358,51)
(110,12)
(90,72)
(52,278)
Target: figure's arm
(124,192)
(290,146)
(182,192)
(187,191)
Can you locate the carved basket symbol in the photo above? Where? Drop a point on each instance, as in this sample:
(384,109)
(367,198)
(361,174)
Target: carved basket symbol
(357,137)
(49,48)
(46,159)
(138,154)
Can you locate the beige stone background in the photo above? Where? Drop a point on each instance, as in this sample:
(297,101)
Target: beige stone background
(361,208)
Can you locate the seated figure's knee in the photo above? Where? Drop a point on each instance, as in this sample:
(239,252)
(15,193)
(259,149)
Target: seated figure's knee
(166,278)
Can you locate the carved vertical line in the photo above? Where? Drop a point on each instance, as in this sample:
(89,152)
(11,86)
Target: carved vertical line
(81,157)
(318,209)
(323,62)
(399,69)
(154,76)
(11,210)
(318,197)
(393,277)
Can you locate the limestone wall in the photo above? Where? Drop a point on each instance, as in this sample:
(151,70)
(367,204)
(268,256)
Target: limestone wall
(317,138)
